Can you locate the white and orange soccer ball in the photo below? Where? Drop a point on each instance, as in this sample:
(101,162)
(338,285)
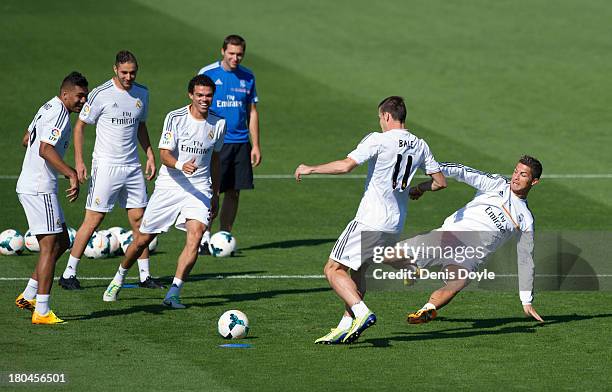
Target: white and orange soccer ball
(98,246)
(31,242)
(112,239)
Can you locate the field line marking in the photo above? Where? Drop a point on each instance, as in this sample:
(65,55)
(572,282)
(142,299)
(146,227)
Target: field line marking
(298,277)
(361,176)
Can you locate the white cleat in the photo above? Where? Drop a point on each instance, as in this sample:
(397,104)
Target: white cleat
(173,302)
(110,295)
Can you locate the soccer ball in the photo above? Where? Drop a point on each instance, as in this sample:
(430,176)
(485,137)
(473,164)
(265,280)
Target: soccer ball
(222,244)
(117,231)
(31,242)
(98,246)
(112,239)
(71,235)
(233,324)
(153,245)
(125,240)
(11,242)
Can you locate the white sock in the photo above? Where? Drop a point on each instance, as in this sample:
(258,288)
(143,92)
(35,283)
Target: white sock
(143,269)
(429,306)
(71,267)
(120,275)
(175,288)
(360,309)
(31,289)
(206,236)
(346,322)
(42,304)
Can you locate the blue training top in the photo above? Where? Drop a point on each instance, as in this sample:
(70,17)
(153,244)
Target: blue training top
(234,94)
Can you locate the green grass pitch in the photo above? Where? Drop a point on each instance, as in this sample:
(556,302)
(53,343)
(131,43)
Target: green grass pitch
(484,83)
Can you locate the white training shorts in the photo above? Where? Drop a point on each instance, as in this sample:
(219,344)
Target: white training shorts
(444,248)
(170,206)
(355,238)
(43,212)
(110,184)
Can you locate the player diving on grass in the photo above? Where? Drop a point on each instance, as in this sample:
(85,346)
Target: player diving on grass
(393,157)
(498,212)
(187,188)
(47,139)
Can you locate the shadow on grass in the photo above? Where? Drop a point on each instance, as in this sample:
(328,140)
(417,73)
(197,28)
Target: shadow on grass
(479,328)
(167,280)
(158,308)
(291,244)
(242,297)
(150,309)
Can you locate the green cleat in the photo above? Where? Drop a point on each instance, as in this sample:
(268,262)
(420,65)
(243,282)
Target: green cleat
(110,295)
(359,325)
(335,336)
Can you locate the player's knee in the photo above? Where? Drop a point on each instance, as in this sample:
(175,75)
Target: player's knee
(331,268)
(92,220)
(142,240)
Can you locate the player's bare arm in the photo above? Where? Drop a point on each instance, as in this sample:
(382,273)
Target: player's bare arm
(437,182)
(79,164)
(169,160)
(254,133)
(25,139)
(215,175)
(145,143)
(342,166)
(48,153)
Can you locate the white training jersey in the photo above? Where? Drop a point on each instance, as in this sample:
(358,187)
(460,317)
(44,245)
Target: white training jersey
(117,114)
(497,214)
(190,138)
(394,156)
(50,125)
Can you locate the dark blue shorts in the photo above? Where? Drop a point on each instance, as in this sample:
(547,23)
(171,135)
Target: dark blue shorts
(236,169)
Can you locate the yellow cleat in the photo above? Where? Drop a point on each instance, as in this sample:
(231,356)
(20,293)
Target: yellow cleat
(334,337)
(50,318)
(422,316)
(23,303)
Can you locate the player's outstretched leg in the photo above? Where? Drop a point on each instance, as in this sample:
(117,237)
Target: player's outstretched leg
(135,249)
(186,261)
(438,298)
(92,220)
(346,287)
(366,320)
